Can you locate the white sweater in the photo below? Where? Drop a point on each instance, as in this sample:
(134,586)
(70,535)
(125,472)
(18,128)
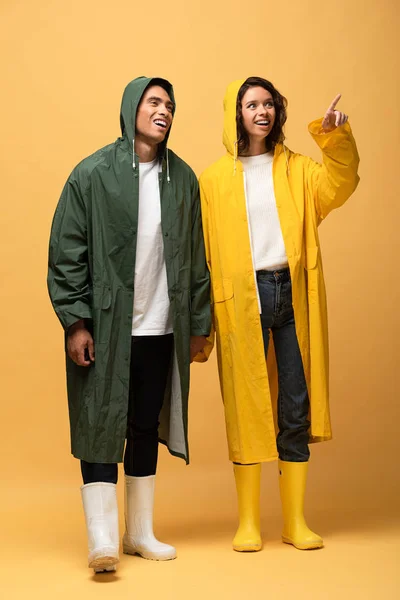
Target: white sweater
(265,230)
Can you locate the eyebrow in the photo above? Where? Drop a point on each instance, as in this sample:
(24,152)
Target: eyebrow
(255,101)
(158,99)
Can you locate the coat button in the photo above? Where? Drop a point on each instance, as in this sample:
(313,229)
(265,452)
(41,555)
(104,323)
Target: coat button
(166,235)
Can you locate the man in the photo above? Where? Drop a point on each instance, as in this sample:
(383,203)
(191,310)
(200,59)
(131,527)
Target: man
(129,282)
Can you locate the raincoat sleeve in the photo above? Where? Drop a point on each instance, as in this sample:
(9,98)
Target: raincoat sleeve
(200,277)
(333,182)
(204,355)
(68,278)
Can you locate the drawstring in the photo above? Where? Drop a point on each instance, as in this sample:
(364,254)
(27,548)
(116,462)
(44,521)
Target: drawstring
(168,177)
(134,160)
(234,157)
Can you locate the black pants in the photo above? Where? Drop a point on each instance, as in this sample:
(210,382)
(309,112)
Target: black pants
(151,358)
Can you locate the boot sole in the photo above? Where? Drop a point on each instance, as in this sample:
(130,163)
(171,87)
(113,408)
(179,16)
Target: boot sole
(133,552)
(104,563)
(311,546)
(250,548)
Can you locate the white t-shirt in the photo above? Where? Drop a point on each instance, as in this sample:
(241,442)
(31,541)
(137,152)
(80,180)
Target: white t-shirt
(151,305)
(267,243)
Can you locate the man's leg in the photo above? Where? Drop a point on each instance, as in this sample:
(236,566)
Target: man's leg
(99,497)
(94,472)
(150,364)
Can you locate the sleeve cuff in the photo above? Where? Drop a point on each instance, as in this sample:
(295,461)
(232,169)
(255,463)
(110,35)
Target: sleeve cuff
(331,138)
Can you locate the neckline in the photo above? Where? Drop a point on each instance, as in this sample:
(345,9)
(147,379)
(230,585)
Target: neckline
(258,159)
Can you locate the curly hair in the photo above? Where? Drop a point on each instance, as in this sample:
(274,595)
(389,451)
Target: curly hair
(276,135)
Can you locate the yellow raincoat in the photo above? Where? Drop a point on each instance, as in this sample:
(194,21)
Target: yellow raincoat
(305,193)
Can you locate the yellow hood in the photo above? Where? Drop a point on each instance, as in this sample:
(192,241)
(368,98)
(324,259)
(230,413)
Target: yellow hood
(230,132)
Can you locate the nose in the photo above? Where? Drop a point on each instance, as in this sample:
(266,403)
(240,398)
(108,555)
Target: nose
(163,111)
(262,111)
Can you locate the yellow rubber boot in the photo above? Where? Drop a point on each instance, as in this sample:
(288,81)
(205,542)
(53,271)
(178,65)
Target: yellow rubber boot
(248,537)
(292,483)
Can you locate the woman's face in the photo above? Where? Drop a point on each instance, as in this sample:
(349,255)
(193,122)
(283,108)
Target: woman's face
(258,112)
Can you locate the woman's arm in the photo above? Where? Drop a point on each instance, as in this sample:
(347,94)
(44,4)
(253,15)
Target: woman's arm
(333,182)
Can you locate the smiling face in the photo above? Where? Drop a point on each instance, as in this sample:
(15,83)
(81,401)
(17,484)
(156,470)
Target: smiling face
(258,113)
(154,115)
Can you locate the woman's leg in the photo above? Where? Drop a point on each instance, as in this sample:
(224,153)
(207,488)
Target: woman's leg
(293,409)
(248,477)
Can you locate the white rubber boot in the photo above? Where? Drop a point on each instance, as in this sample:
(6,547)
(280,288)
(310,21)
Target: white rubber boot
(139,537)
(101,516)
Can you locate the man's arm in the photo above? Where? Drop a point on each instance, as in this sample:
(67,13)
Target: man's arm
(68,271)
(200,312)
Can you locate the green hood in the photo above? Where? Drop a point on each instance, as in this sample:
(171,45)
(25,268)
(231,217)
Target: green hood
(130,101)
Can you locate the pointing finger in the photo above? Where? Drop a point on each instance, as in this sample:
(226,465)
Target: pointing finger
(334,102)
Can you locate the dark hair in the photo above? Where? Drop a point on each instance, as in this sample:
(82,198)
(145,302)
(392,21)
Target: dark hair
(276,135)
(162,83)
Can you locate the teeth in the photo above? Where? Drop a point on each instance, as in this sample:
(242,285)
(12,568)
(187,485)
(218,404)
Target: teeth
(262,122)
(161,123)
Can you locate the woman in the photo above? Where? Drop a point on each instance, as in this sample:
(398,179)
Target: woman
(262,205)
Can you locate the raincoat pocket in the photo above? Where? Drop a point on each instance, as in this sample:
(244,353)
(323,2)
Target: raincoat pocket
(102,316)
(311,257)
(101,296)
(224,307)
(312,271)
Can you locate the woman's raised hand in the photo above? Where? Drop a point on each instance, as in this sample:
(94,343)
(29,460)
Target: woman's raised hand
(333,118)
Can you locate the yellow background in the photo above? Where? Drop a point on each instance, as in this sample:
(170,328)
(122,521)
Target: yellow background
(64,68)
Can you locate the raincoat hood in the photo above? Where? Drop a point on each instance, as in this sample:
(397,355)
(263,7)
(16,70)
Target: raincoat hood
(230,130)
(230,137)
(130,101)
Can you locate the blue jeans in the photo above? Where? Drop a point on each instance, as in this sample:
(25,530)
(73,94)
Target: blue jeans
(275,289)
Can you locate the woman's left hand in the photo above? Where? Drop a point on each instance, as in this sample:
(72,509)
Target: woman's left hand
(333,118)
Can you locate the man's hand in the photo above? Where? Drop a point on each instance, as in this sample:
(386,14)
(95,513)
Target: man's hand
(197,343)
(80,339)
(333,118)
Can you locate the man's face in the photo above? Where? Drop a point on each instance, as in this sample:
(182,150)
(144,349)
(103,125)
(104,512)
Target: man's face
(154,115)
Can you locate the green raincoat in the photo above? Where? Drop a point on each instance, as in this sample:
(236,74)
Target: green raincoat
(91,276)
